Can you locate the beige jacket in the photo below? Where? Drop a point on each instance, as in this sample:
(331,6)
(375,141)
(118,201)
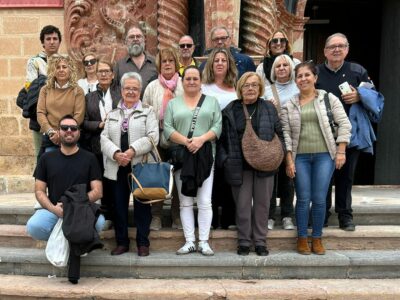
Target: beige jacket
(291,123)
(142,125)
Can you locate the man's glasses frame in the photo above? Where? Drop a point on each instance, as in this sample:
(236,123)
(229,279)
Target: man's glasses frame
(183,46)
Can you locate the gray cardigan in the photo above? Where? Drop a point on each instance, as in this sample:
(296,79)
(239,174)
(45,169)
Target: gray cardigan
(142,125)
(291,122)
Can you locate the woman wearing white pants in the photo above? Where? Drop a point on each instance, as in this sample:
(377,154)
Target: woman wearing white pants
(194,121)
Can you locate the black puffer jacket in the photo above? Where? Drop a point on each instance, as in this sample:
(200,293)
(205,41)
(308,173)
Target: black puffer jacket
(93,118)
(230,155)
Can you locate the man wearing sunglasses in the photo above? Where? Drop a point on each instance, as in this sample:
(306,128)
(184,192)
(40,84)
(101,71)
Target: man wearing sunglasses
(220,38)
(331,74)
(186,49)
(56,172)
(137,60)
(50,37)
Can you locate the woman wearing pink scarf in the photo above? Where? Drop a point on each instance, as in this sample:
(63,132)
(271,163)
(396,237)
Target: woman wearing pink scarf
(157,94)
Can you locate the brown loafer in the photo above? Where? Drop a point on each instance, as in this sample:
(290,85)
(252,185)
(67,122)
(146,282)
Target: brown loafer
(143,251)
(120,250)
(317,246)
(302,246)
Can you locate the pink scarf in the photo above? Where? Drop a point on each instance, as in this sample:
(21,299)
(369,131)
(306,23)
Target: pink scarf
(169,88)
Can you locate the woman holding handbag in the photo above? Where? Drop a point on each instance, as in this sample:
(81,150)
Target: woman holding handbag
(312,152)
(251,187)
(194,122)
(124,141)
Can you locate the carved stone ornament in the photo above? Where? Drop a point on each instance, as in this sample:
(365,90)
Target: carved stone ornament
(100,26)
(261,18)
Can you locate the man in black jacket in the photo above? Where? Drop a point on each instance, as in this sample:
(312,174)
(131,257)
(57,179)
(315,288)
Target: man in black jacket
(57,171)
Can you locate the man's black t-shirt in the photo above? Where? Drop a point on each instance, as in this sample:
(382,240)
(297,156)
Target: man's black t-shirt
(329,80)
(61,171)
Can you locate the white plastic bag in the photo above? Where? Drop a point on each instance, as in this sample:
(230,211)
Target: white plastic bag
(57,249)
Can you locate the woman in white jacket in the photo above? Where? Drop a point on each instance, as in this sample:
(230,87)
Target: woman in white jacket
(124,141)
(312,151)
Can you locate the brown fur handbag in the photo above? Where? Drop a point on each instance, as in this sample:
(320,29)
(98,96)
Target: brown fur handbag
(261,155)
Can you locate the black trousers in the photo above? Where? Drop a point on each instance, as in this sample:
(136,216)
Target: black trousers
(142,212)
(343,180)
(284,189)
(222,197)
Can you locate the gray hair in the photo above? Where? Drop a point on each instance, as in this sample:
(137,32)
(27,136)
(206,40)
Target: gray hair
(337,34)
(289,61)
(219,27)
(131,75)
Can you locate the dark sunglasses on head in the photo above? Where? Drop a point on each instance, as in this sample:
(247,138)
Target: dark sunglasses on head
(279,40)
(183,46)
(73,128)
(89,62)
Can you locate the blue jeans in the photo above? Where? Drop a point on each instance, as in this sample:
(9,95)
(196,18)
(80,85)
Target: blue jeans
(41,224)
(313,174)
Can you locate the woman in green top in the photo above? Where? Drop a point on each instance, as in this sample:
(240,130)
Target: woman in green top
(177,123)
(312,151)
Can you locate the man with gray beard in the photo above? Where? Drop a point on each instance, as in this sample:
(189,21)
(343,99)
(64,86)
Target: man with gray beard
(137,61)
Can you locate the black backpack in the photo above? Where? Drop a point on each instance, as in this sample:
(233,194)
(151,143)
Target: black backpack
(30,98)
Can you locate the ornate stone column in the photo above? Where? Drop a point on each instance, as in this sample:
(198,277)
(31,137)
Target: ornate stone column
(172,22)
(100,25)
(222,12)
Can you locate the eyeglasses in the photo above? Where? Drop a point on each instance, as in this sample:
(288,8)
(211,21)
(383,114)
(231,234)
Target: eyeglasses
(104,72)
(339,46)
(221,38)
(73,128)
(183,46)
(250,85)
(90,62)
(131,89)
(134,37)
(279,40)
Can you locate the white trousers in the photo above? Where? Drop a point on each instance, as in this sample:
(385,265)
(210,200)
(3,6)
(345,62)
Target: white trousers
(204,208)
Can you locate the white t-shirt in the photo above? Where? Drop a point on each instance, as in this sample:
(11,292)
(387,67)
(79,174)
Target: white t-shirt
(224,97)
(285,91)
(86,86)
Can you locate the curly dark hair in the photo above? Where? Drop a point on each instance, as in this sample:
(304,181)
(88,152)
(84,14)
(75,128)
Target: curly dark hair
(49,29)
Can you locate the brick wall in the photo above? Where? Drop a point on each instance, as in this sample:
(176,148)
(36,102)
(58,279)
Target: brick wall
(19,39)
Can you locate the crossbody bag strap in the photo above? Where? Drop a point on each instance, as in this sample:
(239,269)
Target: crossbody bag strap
(329,112)
(195,114)
(276,97)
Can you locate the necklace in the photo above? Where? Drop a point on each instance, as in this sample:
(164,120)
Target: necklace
(251,116)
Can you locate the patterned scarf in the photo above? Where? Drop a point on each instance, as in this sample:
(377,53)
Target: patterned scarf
(169,88)
(127,114)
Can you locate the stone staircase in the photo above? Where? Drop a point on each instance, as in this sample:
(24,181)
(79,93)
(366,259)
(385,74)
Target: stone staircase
(358,265)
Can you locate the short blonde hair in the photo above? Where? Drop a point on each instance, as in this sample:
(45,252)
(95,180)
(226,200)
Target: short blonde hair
(231,74)
(243,80)
(54,60)
(288,60)
(166,52)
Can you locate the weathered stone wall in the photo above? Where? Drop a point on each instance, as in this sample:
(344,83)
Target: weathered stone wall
(19,39)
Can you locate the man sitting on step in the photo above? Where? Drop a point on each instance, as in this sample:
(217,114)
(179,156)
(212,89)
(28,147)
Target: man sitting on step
(56,172)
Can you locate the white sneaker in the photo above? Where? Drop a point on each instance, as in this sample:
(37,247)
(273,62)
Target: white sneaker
(271,224)
(155,224)
(205,249)
(187,248)
(287,223)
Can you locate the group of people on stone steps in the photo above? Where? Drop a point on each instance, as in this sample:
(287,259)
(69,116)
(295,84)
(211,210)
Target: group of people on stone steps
(108,116)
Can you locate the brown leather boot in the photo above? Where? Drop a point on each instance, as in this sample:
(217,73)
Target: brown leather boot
(302,246)
(317,246)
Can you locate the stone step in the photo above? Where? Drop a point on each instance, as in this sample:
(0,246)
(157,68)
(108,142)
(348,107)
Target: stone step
(364,238)
(34,287)
(336,264)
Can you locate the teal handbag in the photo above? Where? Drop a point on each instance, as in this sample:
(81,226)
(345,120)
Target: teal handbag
(152,181)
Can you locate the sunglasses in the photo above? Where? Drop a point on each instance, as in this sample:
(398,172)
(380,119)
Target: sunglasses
(73,128)
(279,40)
(183,46)
(89,62)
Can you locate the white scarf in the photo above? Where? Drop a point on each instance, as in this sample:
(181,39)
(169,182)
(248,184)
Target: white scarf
(105,105)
